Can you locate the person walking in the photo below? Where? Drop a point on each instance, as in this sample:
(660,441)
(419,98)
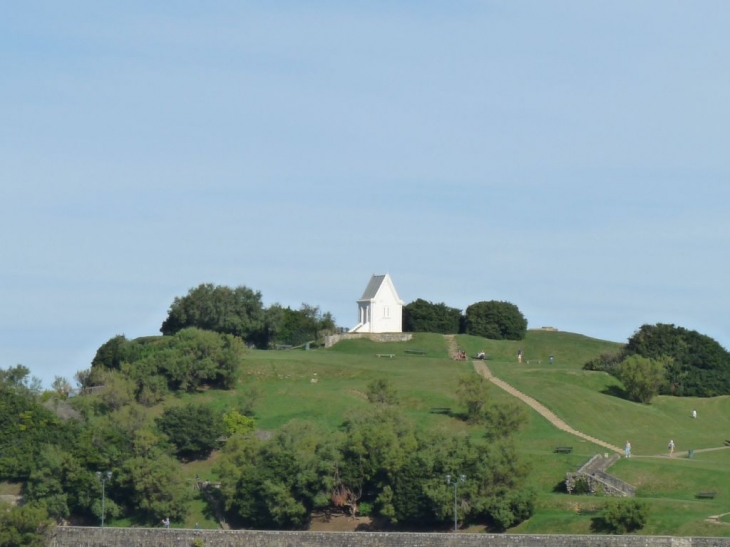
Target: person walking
(166,523)
(694,413)
(627,449)
(519,355)
(671,448)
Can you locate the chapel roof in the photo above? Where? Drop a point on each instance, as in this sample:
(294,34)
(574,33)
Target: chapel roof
(372,289)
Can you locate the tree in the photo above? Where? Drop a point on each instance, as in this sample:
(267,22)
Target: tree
(424,316)
(277,484)
(622,517)
(495,320)
(700,366)
(218,308)
(112,353)
(306,324)
(24,526)
(193,429)
(235,423)
(61,386)
(382,391)
(155,488)
(642,378)
(503,420)
(473,393)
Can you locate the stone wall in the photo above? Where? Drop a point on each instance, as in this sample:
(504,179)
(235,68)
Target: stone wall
(142,537)
(330,341)
(598,481)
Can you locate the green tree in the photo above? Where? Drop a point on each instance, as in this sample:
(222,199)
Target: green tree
(112,353)
(218,308)
(194,429)
(700,366)
(154,487)
(424,316)
(622,517)
(24,526)
(235,423)
(306,324)
(277,484)
(473,393)
(642,378)
(382,391)
(503,420)
(495,320)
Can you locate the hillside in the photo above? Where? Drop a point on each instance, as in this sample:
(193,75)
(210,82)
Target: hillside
(327,385)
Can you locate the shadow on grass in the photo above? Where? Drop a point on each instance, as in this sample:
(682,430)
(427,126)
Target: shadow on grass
(615,391)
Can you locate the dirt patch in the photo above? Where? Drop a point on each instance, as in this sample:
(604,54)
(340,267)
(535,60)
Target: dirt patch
(339,523)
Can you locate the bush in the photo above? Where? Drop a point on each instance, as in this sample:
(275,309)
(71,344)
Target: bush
(700,366)
(193,429)
(642,378)
(423,316)
(495,320)
(622,517)
(606,362)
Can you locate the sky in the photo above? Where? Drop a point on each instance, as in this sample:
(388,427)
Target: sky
(569,157)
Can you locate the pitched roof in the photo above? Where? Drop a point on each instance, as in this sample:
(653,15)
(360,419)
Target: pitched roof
(372,289)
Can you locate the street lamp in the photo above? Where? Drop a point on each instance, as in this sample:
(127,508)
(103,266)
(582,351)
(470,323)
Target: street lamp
(461,479)
(103,478)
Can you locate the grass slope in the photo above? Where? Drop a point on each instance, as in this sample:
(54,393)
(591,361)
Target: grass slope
(326,385)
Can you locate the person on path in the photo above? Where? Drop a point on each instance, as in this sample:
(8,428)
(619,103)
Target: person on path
(671,448)
(627,449)
(519,355)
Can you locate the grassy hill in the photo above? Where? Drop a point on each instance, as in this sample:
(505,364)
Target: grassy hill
(326,385)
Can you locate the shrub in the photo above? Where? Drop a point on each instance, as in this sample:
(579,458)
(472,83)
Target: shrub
(495,320)
(423,316)
(642,378)
(623,517)
(700,366)
(607,361)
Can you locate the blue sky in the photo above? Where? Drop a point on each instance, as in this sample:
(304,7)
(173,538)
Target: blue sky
(569,157)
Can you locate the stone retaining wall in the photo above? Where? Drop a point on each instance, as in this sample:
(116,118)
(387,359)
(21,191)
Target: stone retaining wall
(594,473)
(142,537)
(330,341)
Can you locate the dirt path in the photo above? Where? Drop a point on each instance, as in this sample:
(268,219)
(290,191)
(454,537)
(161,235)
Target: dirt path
(481,368)
(451,344)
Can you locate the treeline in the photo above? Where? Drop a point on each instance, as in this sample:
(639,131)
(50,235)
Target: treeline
(669,360)
(240,312)
(376,463)
(493,319)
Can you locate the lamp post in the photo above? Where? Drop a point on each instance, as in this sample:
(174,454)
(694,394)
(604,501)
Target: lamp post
(461,479)
(103,477)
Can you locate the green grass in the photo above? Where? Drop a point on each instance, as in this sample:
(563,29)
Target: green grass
(325,386)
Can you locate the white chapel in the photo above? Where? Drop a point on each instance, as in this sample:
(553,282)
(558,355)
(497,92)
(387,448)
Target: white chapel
(380,309)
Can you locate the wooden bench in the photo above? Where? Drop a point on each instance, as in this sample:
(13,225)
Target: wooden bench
(440,410)
(706,495)
(388,355)
(563,449)
(283,346)
(538,361)
(416,351)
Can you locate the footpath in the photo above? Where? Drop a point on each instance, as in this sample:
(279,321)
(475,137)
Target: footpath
(482,368)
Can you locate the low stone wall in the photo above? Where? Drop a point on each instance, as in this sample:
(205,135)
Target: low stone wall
(330,341)
(598,481)
(141,537)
